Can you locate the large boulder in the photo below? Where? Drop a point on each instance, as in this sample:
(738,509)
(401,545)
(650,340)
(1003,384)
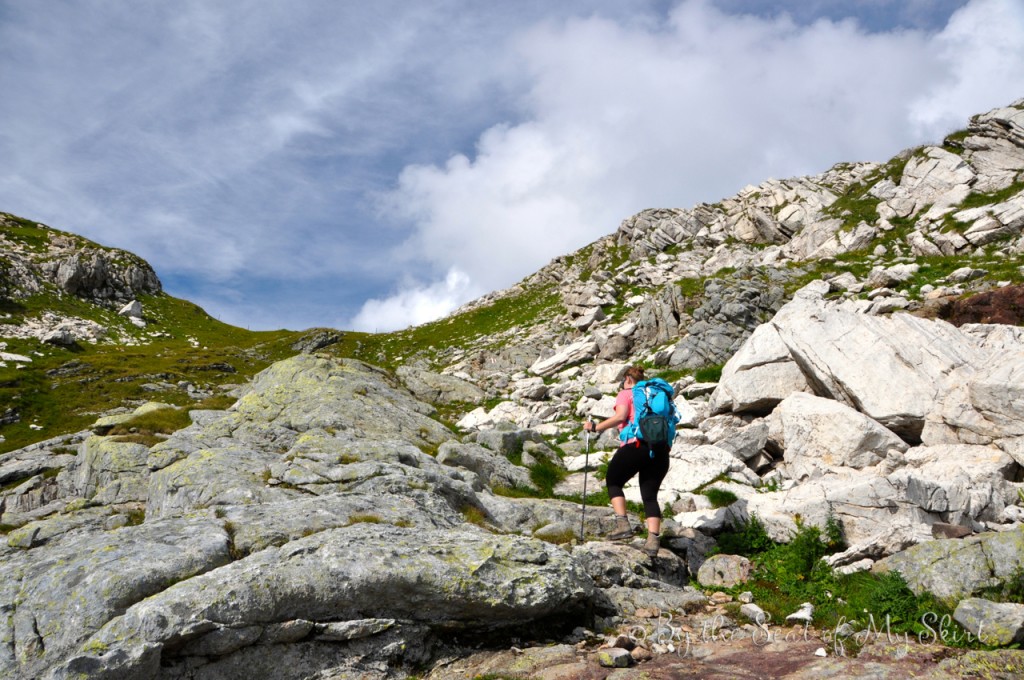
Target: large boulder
(436,388)
(820,435)
(306,392)
(694,467)
(952,570)
(891,369)
(352,584)
(959,483)
(759,376)
(57,595)
(992,623)
(564,357)
(983,404)
(492,469)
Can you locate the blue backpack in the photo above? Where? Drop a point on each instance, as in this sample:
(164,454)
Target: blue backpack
(654,415)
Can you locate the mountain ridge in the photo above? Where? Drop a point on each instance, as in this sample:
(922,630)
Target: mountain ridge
(717,268)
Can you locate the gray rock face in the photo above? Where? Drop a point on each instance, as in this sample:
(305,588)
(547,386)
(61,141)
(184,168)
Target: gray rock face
(358,578)
(724,571)
(726,319)
(992,623)
(953,570)
(821,434)
(293,531)
(492,470)
(60,593)
(436,388)
(76,266)
(890,369)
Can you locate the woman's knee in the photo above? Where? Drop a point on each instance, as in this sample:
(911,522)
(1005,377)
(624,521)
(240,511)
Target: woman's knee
(651,508)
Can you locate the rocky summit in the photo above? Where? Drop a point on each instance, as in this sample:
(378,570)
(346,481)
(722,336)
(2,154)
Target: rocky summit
(848,359)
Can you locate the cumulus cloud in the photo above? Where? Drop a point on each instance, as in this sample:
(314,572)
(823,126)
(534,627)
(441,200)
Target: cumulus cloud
(621,117)
(981,57)
(414,305)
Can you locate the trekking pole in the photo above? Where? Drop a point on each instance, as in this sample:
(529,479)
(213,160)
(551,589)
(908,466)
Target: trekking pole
(586,466)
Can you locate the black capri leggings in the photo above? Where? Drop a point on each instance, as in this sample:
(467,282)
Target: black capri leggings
(628,461)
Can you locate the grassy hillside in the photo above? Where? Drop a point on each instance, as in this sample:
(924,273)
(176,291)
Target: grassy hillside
(63,389)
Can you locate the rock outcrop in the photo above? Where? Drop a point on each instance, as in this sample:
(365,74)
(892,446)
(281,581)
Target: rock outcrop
(49,258)
(309,528)
(872,437)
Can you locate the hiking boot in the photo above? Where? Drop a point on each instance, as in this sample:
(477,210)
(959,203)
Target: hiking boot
(653,544)
(622,529)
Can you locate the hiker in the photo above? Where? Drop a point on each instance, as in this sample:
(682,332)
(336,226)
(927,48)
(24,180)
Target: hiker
(633,456)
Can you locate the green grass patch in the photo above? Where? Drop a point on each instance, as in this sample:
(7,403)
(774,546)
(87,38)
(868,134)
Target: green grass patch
(64,390)
(460,331)
(709,374)
(162,421)
(1011,591)
(788,574)
(365,518)
(475,515)
(980,199)
(747,539)
(954,141)
(560,538)
(546,475)
(720,498)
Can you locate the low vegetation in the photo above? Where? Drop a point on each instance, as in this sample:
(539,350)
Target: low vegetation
(65,389)
(786,575)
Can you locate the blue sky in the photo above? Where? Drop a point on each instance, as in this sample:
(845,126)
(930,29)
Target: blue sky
(371,165)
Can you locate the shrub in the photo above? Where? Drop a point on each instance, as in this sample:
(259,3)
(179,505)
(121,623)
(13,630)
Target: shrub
(747,538)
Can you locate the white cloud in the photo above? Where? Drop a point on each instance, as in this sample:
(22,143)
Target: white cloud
(625,117)
(982,56)
(414,305)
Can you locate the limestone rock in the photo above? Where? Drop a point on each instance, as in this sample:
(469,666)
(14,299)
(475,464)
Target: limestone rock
(111,472)
(759,376)
(821,434)
(132,309)
(346,575)
(492,469)
(691,468)
(889,369)
(565,357)
(959,482)
(68,589)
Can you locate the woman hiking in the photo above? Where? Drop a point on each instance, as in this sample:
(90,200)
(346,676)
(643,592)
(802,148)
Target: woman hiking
(632,457)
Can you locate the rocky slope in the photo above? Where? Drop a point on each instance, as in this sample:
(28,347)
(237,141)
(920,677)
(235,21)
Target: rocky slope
(329,524)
